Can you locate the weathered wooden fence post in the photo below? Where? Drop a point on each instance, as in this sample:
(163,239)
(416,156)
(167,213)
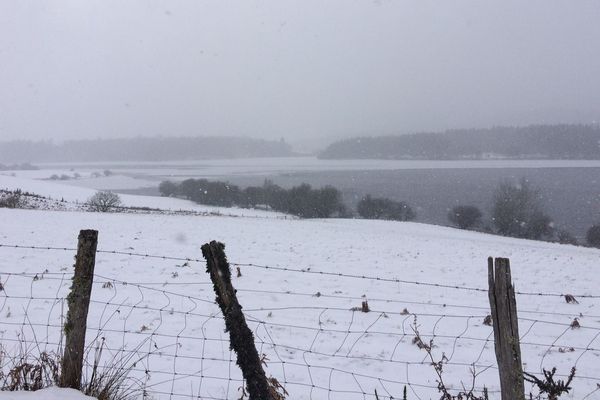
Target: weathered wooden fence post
(240,336)
(78,302)
(506,329)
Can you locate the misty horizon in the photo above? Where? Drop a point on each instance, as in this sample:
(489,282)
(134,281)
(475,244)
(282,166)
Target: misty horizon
(303,71)
(371,167)
(299,144)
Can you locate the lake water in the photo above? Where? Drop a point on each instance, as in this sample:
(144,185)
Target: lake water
(571,195)
(570,188)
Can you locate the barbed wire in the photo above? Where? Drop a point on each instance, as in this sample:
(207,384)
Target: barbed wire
(445,305)
(307,270)
(177,338)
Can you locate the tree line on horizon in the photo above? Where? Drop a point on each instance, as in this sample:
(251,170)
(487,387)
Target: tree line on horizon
(141,149)
(562,141)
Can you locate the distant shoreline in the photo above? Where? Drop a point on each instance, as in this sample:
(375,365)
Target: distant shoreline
(294,164)
(559,141)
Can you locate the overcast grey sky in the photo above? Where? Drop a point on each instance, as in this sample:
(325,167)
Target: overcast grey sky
(292,69)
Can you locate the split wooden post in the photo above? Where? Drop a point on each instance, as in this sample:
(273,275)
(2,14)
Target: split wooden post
(78,302)
(240,336)
(503,305)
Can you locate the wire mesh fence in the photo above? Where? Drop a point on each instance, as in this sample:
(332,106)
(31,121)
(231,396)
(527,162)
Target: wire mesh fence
(164,328)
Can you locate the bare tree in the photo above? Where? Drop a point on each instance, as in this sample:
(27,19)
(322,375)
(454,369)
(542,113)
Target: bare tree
(104,201)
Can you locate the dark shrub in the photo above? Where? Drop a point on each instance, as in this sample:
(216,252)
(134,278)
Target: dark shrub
(465,217)
(213,193)
(382,208)
(167,188)
(517,212)
(565,237)
(593,236)
(303,200)
(330,203)
(252,196)
(188,188)
(306,202)
(12,199)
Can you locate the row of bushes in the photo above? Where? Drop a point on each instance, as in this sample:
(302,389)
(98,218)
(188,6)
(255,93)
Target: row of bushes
(303,200)
(517,211)
(18,199)
(379,208)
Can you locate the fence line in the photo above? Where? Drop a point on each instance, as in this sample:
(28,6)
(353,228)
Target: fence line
(41,276)
(286,293)
(317,368)
(83,206)
(305,271)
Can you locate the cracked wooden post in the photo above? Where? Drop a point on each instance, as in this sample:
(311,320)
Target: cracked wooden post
(503,305)
(240,336)
(78,302)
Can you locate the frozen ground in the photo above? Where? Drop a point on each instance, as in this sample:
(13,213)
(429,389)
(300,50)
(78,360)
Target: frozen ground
(45,394)
(160,310)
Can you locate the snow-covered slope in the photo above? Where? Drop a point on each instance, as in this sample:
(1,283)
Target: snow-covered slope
(302,320)
(45,394)
(59,190)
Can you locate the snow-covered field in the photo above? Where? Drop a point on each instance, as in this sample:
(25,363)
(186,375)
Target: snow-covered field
(160,310)
(46,394)
(74,194)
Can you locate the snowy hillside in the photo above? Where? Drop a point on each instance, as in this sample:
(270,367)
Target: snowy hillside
(75,194)
(152,304)
(46,394)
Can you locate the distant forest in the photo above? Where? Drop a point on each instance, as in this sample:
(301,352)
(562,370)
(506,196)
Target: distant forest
(530,142)
(141,149)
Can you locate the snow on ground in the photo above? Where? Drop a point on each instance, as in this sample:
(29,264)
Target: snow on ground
(45,173)
(45,394)
(83,177)
(59,190)
(113,182)
(315,345)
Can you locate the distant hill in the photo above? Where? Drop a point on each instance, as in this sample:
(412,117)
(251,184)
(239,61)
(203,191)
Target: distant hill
(530,142)
(142,149)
